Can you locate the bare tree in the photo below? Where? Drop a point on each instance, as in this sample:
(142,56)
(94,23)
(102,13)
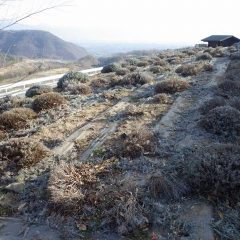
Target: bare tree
(15,11)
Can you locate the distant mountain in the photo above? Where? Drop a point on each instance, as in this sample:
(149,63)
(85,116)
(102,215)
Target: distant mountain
(39,44)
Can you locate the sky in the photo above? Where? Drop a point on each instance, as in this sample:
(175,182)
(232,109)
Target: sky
(133,21)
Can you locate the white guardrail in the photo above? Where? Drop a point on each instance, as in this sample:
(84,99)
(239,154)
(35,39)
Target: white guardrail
(21,87)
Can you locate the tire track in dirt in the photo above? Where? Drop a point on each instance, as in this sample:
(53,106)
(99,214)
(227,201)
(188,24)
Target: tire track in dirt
(80,133)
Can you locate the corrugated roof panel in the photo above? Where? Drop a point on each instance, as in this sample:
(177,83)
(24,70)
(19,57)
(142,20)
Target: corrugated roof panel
(216,38)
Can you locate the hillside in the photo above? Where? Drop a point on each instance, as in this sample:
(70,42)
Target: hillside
(39,44)
(146,150)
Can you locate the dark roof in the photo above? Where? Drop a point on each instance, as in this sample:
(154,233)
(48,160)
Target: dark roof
(217,38)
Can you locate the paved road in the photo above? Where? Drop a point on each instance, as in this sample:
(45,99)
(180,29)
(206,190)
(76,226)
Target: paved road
(20,88)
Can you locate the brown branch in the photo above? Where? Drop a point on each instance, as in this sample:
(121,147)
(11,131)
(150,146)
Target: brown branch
(29,15)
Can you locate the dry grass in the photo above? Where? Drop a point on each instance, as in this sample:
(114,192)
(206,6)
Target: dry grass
(158,69)
(9,102)
(232,49)
(211,104)
(233,71)
(99,83)
(235,56)
(69,184)
(171,85)
(79,88)
(207,67)
(188,70)
(48,101)
(175,60)
(160,62)
(223,120)
(193,69)
(133,79)
(38,90)
(235,103)
(21,153)
(135,144)
(142,64)
(204,57)
(122,71)
(161,98)
(167,187)
(2,135)
(229,87)
(133,111)
(217,52)
(16,118)
(76,189)
(213,169)
(132,68)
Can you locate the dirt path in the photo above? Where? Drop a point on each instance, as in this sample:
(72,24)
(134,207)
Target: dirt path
(178,129)
(17,229)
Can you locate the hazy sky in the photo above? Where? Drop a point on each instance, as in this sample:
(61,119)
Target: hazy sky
(152,21)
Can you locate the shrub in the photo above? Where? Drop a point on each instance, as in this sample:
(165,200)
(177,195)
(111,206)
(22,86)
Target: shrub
(79,88)
(232,49)
(188,70)
(72,78)
(135,144)
(38,90)
(161,98)
(99,83)
(2,135)
(122,71)
(171,85)
(233,71)
(9,102)
(76,189)
(203,56)
(166,186)
(223,120)
(136,79)
(160,62)
(235,103)
(213,169)
(217,52)
(133,111)
(69,184)
(110,68)
(132,61)
(235,56)
(158,69)
(132,68)
(175,60)
(211,104)
(48,101)
(22,152)
(142,64)
(16,118)
(189,52)
(229,87)
(207,67)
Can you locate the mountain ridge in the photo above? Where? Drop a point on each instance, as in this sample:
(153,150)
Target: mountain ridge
(39,44)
